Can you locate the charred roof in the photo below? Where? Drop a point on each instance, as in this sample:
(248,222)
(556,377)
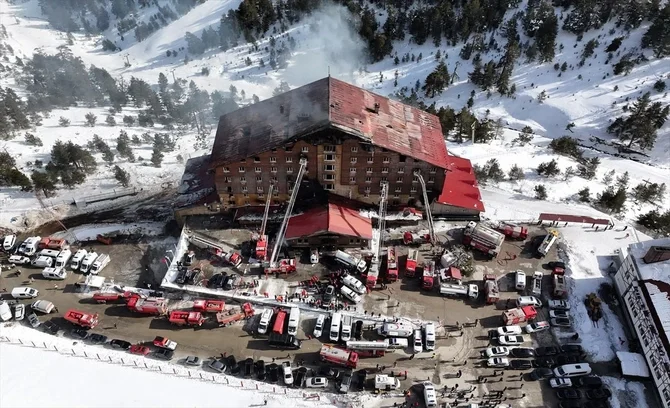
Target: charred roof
(329,103)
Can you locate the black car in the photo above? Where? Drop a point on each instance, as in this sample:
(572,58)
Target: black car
(299,377)
(51,327)
(545,362)
(80,334)
(345,382)
(216,281)
(546,351)
(358,329)
(164,354)
(273,373)
(231,362)
(573,348)
(361,378)
(590,382)
(95,338)
(328,294)
(520,365)
(248,367)
(522,352)
(540,373)
(564,359)
(193,275)
(260,370)
(599,394)
(121,344)
(329,372)
(569,393)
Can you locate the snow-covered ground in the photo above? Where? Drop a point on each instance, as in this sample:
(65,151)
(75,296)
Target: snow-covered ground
(29,377)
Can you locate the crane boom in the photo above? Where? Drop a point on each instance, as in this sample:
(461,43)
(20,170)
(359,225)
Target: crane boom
(383,199)
(289,210)
(429,215)
(267,210)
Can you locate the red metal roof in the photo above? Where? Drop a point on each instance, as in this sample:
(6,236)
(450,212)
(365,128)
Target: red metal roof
(460,186)
(387,123)
(334,219)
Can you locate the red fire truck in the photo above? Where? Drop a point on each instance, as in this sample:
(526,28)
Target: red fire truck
(228,318)
(412,263)
(412,238)
(150,306)
(391,265)
(280,319)
(428,278)
(83,319)
(483,238)
(209,305)
(186,318)
(512,231)
(491,289)
(338,356)
(519,315)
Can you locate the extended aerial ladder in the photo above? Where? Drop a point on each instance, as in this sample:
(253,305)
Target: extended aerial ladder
(426,204)
(373,272)
(286,265)
(262,242)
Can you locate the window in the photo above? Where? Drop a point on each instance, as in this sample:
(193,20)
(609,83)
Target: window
(228,179)
(431,179)
(289,170)
(329,177)
(402,158)
(259,189)
(367,189)
(395,202)
(243,161)
(244,189)
(289,160)
(259,179)
(413,189)
(352,179)
(386,160)
(396,195)
(385,179)
(258,170)
(352,169)
(273,180)
(274,150)
(241,169)
(415,179)
(368,179)
(398,189)
(273,159)
(433,170)
(273,169)
(368,170)
(367,194)
(257,159)
(329,148)
(385,169)
(288,149)
(226,169)
(354,160)
(275,192)
(329,187)
(329,157)
(371,159)
(261,196)
(329,167)
(305,149)
(354,149)
(243,179)
(401,170)
(399,180)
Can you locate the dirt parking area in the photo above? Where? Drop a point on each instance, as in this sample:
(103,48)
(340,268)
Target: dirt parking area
(455,364)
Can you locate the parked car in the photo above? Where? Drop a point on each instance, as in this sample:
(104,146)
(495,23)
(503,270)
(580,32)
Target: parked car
(569,393)
(522,352)
(497,362)
(164,354)
(318,328)
(499,351)
(140,349)
(572,348)
(18,260)
(43,306)
(8,242)
(33,320)
(511,340)
(547,362)
(287,373)
(345,382)
(19,311)
(528,301)
(361,378)
(80,334)
(192,361)
(314,256)
(260,370)
(358,330)
(537,327)
(328,294)
(329,372)
(598,394)
(24,292)
(558,305)
(520,365)
(316,382)
(559,313)
(540,373)
(95,338)
(547,351)
(561,322)
(299,379)
(231,364)
(567,359)
(120,344)
(558,382)
(217,366)
(248,367)
(273,373)
(590,382)
(508,330)
(51,327)
(348,293)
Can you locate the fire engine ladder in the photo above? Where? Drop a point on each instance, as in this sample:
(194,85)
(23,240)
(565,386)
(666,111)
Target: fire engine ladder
(383,198)
(289,210)
(267,210)
(426,204)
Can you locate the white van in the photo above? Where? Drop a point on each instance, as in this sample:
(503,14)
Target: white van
(354,284)
(62,258)
(399,329)
(318,327)
(398,343)
(429,333)
(266,317)
(547,243)
(293,321)
(43,306)
(87,262)
(5,311)
(77,258)
(345,329)
(100,263)
(24,292)
(520,281)
(386,383)
(335,327)
(18,260)
(54,273)
(537,283)
(52,253)
(418,341)
(43,262)
(29,246)
(572,370)
(9,242)
(429,395)
(522,301)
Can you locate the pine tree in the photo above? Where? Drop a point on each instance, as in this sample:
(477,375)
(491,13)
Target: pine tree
(128,120)
(110,120)
(588,168)
(540,192)
(649,192)
(121,176)
(90,119)
(157,157)
(516,173)
(642,123)
(657,36)
(549,169)
(436,81)
(613,200)
(584,195)
(43,182)
(64,122)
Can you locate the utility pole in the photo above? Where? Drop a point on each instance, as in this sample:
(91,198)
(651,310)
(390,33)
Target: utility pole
(474,123)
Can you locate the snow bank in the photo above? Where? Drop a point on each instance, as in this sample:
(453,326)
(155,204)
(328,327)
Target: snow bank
(89,232)
(625,393)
